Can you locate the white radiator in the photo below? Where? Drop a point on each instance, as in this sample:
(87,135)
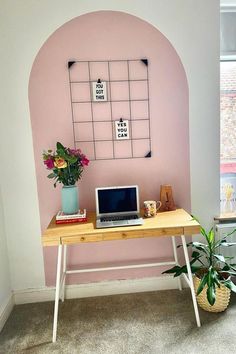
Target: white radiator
(221,231)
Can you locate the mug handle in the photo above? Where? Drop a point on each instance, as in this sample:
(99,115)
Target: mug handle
(160,204)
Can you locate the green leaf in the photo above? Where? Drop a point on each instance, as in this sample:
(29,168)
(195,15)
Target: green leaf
(201,247)
(209,276)
(177,270)
(171,270)
(187,244)
(211,235)
(225,237)
(211,286)
(194,260)
(211,294)
(203,232)
(202,284)
(230,285)
(220,257)
(195,243)
(226,267)
(60,146)
(215,277)
(194,218)
(231,266)
(181,271)
(195,269)
(195,254)
(70,159)
(61,150)
(231,233)
(51,175)
(227,244)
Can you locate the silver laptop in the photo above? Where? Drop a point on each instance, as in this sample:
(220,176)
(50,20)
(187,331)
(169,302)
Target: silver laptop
(117,206)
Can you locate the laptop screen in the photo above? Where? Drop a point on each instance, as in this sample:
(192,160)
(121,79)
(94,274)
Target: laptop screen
(117,200)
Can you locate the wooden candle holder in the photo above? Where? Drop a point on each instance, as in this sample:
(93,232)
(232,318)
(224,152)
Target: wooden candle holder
(166,198)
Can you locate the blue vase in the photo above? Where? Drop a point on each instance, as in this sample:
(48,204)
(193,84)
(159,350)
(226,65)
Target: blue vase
(70,199)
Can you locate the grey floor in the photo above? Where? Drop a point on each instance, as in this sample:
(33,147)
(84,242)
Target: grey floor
(145,323)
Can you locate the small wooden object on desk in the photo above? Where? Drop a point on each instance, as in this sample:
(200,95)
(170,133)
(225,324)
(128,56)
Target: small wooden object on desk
(166,198)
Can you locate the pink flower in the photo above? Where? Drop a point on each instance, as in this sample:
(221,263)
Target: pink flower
(74,152)
(49,163)
(84,161)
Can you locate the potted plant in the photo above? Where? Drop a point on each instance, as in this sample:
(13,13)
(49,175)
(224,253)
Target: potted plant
(212,271)
(66,167)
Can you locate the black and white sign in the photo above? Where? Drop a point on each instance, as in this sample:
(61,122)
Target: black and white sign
(122,129)
(99,91)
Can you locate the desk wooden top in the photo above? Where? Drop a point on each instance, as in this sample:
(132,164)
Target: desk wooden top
(170,223)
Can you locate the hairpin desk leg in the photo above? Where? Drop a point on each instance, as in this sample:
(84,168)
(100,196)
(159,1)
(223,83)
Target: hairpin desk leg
(190,281)
(64,273)
(57,294)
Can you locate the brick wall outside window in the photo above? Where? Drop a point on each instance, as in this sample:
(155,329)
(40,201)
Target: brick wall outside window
(228,117)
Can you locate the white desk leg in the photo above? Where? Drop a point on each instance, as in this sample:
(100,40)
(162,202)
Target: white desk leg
(176,259)
(64,273)
(57,293)
(191,281)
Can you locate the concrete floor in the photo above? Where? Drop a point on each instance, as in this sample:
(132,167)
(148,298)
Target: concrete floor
(146,323)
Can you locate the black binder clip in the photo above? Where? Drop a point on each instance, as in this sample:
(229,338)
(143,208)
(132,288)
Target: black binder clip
(99,81)
(121,120)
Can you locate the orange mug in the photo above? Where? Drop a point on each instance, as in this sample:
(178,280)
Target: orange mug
(151,207)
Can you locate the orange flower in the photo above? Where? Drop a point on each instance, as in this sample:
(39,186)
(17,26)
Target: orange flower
(60,162)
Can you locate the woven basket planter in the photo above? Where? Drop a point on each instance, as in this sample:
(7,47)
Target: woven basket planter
(222,297)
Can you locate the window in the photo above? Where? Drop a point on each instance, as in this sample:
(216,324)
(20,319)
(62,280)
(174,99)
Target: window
(228,113)
(228,110)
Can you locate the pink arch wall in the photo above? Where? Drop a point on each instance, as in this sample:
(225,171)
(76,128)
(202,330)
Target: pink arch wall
(120,36)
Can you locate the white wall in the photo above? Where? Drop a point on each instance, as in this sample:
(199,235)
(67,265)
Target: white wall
(5,282)
(193,29)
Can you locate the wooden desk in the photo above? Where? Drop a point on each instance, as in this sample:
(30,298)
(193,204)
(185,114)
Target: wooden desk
(172,223)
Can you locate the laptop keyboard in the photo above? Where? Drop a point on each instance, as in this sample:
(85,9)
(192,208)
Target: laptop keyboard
(118,218)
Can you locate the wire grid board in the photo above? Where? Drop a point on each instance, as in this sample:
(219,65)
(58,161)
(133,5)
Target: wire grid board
(127,91)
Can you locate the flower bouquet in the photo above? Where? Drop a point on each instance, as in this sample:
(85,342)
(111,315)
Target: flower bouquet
(67,166)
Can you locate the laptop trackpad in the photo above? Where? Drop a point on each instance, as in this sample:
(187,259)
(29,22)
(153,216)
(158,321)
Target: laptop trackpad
(120,222)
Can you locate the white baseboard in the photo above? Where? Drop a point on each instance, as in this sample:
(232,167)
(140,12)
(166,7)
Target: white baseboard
(5,310)
(112,287)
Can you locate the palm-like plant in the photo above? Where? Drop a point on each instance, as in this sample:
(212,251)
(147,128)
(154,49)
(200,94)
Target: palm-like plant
(209,265)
